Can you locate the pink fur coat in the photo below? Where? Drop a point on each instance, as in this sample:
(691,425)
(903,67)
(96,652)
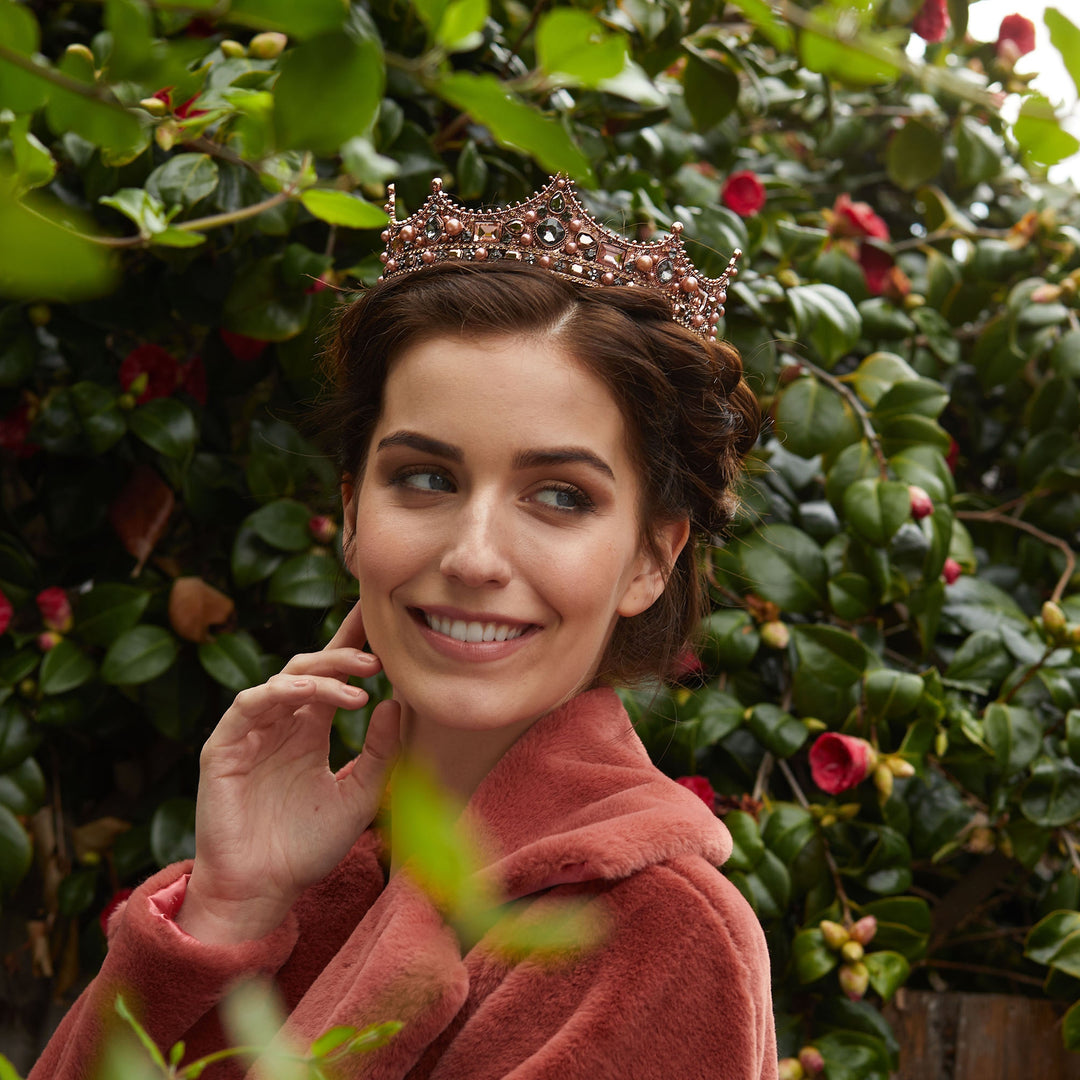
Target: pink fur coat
(678,990)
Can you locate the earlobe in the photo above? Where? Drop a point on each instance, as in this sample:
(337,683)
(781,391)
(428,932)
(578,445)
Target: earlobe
(648,583)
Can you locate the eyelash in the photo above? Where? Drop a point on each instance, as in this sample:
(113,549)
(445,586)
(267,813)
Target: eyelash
(584,504)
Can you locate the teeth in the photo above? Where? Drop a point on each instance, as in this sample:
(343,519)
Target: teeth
(460,630)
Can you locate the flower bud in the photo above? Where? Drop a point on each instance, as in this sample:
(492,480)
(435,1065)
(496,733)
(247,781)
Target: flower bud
(1046,293)
(166,134)
(883,781)
(811,1060)
(852,952)
(267,45)
(322,528)
(921,503)
(775,635)
(854,979)
(814,725)
(77,48)
(39,314)
(790,1069)
(828,820)
(913,301)
(788,278)
(981,840)
(48,639)
(835,935)
(951,571)
(899,767)
(154,106)
(1073,635)
(941,743)
(28,687)
(55,609)
(848,811)
(126,402)
(864,930)
(1053,620)
(232,49)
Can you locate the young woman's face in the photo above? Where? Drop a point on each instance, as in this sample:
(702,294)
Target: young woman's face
(496,530)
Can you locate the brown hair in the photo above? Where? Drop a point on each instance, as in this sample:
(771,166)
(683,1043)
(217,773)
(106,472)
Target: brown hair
(690,415)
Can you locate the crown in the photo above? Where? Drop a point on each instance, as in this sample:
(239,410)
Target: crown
(552,230)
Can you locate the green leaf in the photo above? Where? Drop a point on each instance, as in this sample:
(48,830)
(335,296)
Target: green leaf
(138,205)
(916,397)
(107,611)
(19,736)
(875,509)
(914,155)
(862,61)
(761,14)
(1040,134)
(903,924)
(1052,796)
(232,660)
(979,152)
(184,179)
(1065,355)
(34,165)
(888,972)
(22,788)
(850,595)
(826,317)
(16,851)
(574,48)
(177,238)
(341,208)
(769,884)
(282,524)
(328,91)
(980,662)
(1055,941)
(172,831)
(889,693)
(1072,734)
(514,124)
(101,122)
(776,730)
(139,655)
(76,892)
(20,90)
(879,372)
(789,829)
(167,426)
(786,566)
(1065,37)
(461,25)
(331,1040)
(832,656)
(1070,1022)
(307,581)
(813,958)
(811,418)
(730,640)
(102,421)
(747,845)
(711,89)
(252,559)
(64,667)
(1014,734)
(259,306)
(306,20)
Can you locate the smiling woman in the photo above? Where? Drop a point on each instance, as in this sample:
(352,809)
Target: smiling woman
(530,468)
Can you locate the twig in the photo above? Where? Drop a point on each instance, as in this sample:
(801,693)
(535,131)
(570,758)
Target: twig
(997,517)
(762,778)
(860,411)
(215,149)
(980,969)
(1028,675)
(58,78)
(534,18)
(1070,846)
(789,776)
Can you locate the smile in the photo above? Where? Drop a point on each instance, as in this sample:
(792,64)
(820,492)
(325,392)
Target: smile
(460,630)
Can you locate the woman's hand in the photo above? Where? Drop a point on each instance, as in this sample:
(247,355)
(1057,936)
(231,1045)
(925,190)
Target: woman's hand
(271,817)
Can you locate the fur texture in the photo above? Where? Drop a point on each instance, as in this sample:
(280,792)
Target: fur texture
(575,809)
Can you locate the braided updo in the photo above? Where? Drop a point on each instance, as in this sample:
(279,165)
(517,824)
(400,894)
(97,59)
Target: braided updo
(690,416)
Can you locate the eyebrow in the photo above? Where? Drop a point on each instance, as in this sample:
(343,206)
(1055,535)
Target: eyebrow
(523,459)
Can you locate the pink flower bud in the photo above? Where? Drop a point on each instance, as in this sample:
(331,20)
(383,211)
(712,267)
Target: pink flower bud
(835,935)
(790,1069)
(322,528)
(811,1060)
(48,639)
(775,634)
(864,929)
(854,980)
(951,571)
(921,503)
(55,609)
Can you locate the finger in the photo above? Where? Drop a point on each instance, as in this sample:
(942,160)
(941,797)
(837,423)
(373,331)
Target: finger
(340,662)
(351,630)
(283,694)
(364,779)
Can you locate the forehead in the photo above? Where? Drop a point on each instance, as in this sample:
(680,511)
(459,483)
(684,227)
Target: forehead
(494,389)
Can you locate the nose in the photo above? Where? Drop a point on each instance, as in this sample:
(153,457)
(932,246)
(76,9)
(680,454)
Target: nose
(477,547)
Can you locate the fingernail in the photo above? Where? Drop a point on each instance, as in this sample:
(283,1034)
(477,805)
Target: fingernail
(356,691)
(361,655)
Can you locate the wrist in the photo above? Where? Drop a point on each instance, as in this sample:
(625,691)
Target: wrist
(216,920)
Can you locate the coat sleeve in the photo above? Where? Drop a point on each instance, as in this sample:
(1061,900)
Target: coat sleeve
(171,981)
(681,987)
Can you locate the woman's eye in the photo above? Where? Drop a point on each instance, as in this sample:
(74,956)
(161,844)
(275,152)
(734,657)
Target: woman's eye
(425,481)
(568,498)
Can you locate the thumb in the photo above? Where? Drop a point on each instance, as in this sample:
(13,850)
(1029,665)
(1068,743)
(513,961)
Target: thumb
(363,780)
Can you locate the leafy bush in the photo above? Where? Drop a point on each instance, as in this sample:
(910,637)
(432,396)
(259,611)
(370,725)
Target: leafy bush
(185,187)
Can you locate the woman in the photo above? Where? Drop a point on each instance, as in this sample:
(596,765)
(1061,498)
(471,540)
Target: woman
(530,464)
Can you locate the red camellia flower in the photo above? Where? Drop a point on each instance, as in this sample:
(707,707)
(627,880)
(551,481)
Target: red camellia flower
(1016,37)
(877,266)
(184,111)
(6,611)
(856,219)
(700,787)
(743,192)
(55,609)
(157,364)
(14,430)
(839,762)
(953,455)
(932,21)
(243,347)
(687,663)
(193,379)
(951,571)
(115,901)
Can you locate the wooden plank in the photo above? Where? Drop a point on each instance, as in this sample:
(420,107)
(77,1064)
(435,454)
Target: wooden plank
(948,1036)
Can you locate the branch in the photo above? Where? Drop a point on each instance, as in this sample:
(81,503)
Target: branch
(57,78)
(998,518)
(860,411)
(980,969)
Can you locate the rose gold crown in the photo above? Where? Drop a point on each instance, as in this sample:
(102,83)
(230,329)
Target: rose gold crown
(552,230)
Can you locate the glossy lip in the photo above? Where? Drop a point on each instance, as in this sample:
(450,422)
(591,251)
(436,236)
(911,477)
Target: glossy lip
(471,650)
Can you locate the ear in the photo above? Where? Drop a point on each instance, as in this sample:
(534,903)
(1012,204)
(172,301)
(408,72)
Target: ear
(652,574)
